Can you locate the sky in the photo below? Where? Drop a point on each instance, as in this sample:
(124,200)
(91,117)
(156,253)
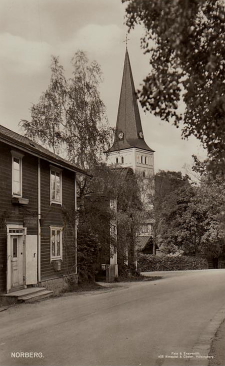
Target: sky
(31,31)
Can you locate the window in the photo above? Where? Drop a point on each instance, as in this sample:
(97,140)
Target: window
(16,231)
(142,159)
(56,186)
(117,160)
(144,174)
(146,160)
(113,204)
(14,247)
(146,229)
(113,231)
(122,159)
(56,243)
(16,173)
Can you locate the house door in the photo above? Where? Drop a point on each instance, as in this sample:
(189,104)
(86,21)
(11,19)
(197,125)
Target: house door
(31,259)
(16,244)
(215,263)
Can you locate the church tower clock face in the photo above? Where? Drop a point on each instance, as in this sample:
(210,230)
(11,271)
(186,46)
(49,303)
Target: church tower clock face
(120,135)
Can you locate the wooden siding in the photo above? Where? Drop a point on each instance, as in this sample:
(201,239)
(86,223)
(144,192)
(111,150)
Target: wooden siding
(57,215)
(51,214)
(13,213)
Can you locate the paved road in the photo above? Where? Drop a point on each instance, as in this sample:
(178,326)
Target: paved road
(134,324)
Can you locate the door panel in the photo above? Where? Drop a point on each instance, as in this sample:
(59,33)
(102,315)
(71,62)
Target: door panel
(16,260)
(31,259)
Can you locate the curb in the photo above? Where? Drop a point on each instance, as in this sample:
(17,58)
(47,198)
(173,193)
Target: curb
(203,346)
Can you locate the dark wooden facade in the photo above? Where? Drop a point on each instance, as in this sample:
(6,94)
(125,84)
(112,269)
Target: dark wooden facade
(12,213)
(35,214)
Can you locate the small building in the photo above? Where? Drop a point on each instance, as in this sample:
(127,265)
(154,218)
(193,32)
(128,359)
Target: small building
(37,215)
(216,262)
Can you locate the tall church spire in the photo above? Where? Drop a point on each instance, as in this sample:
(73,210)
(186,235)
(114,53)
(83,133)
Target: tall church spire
(129,131)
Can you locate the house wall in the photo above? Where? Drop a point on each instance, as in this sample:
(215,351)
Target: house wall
(27,215)
(57,215)
(11,213)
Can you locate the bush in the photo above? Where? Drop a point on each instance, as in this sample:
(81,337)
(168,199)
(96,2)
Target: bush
(87,254)
(148,262)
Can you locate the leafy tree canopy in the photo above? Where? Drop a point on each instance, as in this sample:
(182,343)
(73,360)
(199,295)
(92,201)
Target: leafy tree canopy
(70,116)
(186,43)
(113,198)
(167,186)
(192,219)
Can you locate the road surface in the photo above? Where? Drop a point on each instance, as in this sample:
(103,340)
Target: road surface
(169,321)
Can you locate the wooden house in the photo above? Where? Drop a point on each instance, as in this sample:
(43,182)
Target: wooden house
(37,216)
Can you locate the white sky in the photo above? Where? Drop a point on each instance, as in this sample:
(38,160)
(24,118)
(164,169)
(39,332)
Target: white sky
(33,30)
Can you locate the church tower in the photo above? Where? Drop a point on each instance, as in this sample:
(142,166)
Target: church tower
(129,148)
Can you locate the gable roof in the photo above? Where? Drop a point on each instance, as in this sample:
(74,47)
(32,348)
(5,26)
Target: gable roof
(25,144)
(128,119)
(145,243)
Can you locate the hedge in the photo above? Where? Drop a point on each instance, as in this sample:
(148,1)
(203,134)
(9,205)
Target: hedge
(148,262)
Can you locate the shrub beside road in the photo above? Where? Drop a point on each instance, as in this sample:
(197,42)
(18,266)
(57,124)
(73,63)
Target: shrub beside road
(150,263)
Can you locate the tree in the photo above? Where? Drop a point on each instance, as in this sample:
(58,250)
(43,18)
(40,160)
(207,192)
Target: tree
(192,219)
(87,133)
(167,184)
(88,248)
(207,207)
(70,116)
(108,185)
(48,119)
(186,43)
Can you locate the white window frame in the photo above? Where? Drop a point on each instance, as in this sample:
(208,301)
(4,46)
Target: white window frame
(55,170)
(19,156)
(55,257)
(113,230)
(113,204)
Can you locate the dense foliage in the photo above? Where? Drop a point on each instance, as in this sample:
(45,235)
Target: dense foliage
(88,248)
(191,217)
(185,40)
(167,184)
(112,203)
(150,263)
